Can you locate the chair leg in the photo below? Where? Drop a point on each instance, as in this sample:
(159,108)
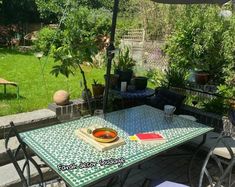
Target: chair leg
(124,176)
(146,183)
(17,92)
(114,180)
(192,160)
(5,89)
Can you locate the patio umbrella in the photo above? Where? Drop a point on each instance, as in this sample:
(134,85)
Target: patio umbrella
(111,48)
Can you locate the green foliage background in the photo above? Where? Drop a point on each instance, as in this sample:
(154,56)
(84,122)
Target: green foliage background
(202,41)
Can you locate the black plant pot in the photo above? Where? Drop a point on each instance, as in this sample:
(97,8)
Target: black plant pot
(114,78)
(140,83)
(124,76)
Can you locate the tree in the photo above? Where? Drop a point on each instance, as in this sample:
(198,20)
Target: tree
(54,9)
(199,43)
(14,11)
(78,39)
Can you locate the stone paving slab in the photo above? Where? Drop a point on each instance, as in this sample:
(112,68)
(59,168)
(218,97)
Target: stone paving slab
(13,144)
(4,158)
(28,120)
(9,176)
(27,117)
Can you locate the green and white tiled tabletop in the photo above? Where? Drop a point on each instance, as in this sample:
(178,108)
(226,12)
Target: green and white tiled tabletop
(58,144)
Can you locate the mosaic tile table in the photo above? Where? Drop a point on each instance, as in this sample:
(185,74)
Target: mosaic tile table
(58,144)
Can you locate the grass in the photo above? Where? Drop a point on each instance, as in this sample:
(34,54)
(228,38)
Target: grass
(36,86)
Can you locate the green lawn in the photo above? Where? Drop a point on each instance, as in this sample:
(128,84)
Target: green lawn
(35,91)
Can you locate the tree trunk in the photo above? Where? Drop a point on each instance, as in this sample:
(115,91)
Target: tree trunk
(86,90)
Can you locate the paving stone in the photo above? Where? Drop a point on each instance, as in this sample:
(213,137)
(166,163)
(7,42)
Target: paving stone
(28,120)
(27,117)
(9,176)
(13,144)
(4,158)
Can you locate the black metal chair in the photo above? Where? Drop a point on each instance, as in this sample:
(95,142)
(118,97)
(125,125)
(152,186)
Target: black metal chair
(24,171)
(217,168)
(164,97)
(223,155)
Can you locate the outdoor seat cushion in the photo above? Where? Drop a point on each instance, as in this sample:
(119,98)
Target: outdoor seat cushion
(188,117)
(165,97)
(168,184)
(220,150)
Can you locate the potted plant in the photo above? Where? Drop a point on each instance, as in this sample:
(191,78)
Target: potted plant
(123,65)
(175,79)
(140,82)
(97,88)
(201,76)
(201,66)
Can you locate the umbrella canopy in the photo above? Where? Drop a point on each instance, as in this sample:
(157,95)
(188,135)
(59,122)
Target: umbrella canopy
(191,1)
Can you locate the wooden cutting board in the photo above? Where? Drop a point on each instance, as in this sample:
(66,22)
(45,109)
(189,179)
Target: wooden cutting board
(82,134)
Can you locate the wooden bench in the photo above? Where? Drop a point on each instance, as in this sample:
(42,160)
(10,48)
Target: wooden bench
(5,83)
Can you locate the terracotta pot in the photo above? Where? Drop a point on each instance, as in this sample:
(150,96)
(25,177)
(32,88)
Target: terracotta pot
(201,77)
(98,90)
(232,104)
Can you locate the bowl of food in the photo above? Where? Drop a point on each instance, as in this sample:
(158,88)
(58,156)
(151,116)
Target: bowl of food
(104,135)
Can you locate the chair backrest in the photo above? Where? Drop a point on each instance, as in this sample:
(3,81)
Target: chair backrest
(231,116)
(167,97)
(228,126)
(13,154)
(224,166)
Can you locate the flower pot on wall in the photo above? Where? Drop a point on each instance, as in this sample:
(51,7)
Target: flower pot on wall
(201,77)
(98,90)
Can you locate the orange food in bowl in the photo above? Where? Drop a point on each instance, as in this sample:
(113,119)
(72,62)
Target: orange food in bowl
(104,135)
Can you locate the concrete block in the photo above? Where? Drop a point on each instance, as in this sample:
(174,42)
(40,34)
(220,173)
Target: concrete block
(27,121)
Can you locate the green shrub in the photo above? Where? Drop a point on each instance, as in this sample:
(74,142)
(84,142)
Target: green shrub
(156,77)
(124,61)
(47,38)
(175,77)
(202,41)
(216,105)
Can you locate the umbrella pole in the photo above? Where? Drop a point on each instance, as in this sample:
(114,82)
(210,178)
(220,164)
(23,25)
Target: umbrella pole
(110,54)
